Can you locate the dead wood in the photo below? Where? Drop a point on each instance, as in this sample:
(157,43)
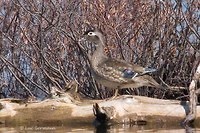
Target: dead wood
(194,91)
(67,109)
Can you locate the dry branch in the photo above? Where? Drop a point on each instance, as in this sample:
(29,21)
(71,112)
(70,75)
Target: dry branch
(193,97)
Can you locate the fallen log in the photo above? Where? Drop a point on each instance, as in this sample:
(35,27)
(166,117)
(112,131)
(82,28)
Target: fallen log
(68,110)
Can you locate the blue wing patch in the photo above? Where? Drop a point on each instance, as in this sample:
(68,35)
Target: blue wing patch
(127,73)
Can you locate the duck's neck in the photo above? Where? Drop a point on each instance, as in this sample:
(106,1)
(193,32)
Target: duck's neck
(98,56)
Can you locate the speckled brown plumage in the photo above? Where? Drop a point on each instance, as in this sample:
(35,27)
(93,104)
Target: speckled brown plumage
(114,73)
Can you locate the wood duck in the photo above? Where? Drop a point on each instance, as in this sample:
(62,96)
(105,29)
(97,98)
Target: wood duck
(114,73)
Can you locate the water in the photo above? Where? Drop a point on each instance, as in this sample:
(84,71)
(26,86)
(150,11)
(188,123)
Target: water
(118,128)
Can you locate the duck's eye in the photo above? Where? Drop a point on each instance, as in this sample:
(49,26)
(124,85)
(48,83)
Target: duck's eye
(91,34)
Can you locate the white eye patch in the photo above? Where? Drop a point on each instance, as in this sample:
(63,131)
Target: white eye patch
(91,34)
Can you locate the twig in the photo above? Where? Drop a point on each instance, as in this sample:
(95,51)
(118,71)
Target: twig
(18,78)
(192,29)
(6,61)
(174,88)
(52,79)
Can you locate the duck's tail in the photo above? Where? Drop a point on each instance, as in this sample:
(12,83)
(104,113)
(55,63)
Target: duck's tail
(149,70)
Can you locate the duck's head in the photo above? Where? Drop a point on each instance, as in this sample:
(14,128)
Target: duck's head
(94,36)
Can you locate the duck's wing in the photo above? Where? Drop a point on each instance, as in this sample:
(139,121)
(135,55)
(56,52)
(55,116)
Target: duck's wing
(117,70)
(120,70)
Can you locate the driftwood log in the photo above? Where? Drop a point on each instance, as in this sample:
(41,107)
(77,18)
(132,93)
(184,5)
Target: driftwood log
(68,110)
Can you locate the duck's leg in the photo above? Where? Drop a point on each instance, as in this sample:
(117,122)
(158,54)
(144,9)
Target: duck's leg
(116,93)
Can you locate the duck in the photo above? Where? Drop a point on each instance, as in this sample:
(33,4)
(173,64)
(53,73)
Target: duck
(115,73)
